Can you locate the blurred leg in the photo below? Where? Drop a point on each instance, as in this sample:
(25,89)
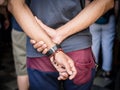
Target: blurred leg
(19,53)
(108,34)
(95,30)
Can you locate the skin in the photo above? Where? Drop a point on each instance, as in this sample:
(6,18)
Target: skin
(50,36)
(77,24)
(22,80)
(21,11)
(58,36)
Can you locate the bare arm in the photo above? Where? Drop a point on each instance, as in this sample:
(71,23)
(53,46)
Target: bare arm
(85,18)
(27,21)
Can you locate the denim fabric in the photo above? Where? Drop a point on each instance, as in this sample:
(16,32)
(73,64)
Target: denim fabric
(48,81)
(42,74)
(103,35)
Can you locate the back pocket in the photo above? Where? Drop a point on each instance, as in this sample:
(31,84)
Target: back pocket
(84,72)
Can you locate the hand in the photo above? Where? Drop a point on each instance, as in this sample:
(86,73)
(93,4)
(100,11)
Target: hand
(64,65)
(63,75)
(40,46)
(54,34)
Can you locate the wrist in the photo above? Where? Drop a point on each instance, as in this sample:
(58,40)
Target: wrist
(59,37)
(53,50)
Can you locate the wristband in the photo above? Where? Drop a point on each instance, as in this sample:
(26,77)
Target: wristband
(53,50)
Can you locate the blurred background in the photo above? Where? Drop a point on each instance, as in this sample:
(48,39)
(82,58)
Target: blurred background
(7,69)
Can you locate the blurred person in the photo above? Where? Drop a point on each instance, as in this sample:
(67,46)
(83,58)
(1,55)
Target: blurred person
(19,53)
(72,61)
(103,34)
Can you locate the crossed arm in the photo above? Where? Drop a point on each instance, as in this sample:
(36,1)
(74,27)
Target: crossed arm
(27,21)
(85,18)
(36,32)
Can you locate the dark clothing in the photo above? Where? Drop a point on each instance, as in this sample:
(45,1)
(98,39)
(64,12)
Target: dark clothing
(56,13)
(42,74)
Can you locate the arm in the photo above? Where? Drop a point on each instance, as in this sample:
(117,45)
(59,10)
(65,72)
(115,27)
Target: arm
(27,21)
(85,18)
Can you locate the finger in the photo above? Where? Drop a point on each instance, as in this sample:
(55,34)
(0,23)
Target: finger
(44,51)
(73,68)
(38,44)
(73,75)
(63,76)
(74,72)
(44,46)
(32,41)
(39,49)
(68,68)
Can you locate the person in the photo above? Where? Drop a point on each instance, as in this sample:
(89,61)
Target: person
(72,61)
(19,53)
(103,34)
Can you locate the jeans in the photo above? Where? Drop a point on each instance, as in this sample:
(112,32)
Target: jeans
(43,76)
(103,37)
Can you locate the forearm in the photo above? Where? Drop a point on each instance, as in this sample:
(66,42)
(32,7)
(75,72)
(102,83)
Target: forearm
(85,18)
(27,21)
